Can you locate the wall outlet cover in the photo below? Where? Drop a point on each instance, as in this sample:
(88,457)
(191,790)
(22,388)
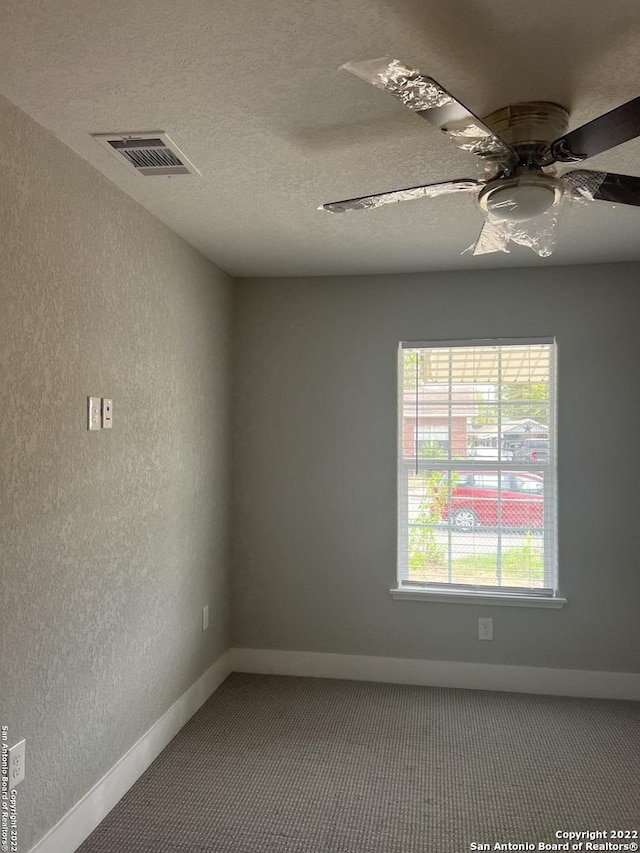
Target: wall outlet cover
(16,763)
(485,629)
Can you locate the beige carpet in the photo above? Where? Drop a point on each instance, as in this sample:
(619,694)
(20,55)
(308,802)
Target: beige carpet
(272,764)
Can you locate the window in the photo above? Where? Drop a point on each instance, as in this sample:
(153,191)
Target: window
(427,433)
(477,469)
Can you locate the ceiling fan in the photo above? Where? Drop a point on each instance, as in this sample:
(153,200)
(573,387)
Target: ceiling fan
(520,192)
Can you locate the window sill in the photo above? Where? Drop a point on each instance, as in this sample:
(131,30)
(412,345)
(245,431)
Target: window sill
(413,594)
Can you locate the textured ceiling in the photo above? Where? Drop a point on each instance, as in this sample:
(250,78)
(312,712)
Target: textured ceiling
(251,92)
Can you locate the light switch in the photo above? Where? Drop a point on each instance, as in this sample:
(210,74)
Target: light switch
(93,411)
(107,413)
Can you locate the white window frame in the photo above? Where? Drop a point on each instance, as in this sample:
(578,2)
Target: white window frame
(412,590)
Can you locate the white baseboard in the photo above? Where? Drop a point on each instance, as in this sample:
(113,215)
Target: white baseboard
(437,673)
(80,821)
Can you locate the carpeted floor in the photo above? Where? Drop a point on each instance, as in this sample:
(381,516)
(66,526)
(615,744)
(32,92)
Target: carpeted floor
(272,764)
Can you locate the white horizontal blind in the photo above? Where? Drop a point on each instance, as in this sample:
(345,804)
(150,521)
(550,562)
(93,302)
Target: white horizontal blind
(476,465)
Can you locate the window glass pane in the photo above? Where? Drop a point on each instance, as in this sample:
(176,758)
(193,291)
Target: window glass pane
(476,478)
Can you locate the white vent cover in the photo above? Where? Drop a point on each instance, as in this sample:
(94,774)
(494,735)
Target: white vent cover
(150,154)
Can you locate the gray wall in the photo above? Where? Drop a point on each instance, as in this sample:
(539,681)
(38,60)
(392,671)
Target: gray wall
(111,541)
(314,477)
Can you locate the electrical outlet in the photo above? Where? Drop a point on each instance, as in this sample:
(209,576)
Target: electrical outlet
(16,764)
(205,617)
(107,413)
(485,629)
(94,413)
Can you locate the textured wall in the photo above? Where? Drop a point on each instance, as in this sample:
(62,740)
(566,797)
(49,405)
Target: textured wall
(315,463)
(111,541)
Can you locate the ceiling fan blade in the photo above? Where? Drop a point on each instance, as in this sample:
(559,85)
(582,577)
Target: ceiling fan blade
(431,101)
(607,186)
(611,129)
(427,191)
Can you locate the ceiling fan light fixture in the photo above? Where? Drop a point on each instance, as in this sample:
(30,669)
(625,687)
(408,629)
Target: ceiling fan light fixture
(521,198)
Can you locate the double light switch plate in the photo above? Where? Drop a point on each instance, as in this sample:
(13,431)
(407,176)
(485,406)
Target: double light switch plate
(100,413)
(95,413)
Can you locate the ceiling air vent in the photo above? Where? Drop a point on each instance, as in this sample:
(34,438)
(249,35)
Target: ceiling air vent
(148,154)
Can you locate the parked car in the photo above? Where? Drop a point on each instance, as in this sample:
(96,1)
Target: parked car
(477,500)
(532,450)
(490,453)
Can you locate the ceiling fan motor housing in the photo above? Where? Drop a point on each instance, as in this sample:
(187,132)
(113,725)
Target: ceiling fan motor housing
(530,128)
